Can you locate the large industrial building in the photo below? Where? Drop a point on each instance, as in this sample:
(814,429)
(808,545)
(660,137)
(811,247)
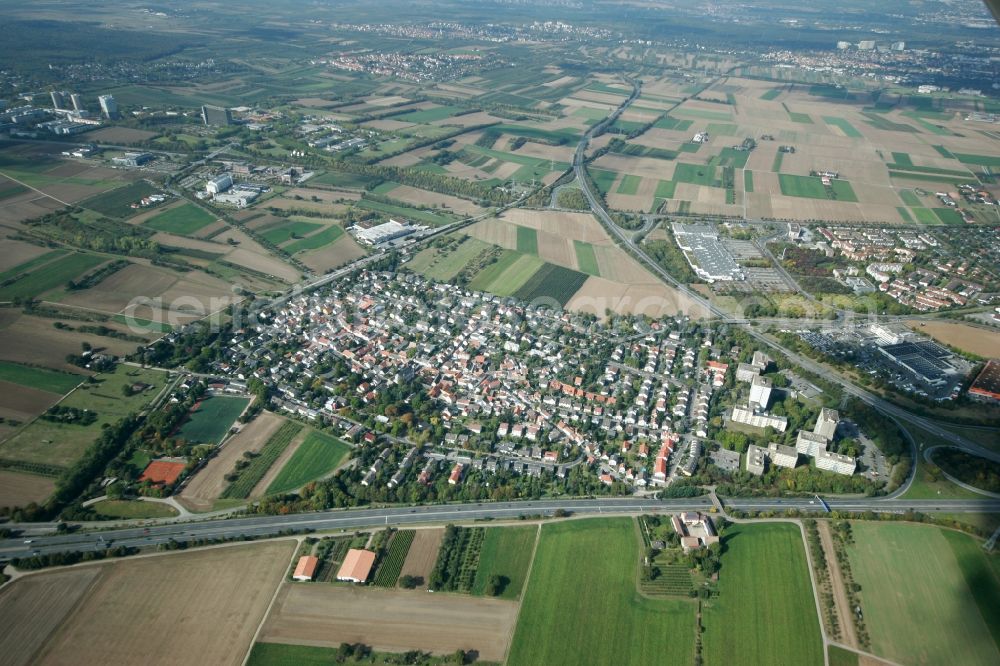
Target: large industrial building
(384,233)
(987,384)
(216,116)
(707,256)
(927,361)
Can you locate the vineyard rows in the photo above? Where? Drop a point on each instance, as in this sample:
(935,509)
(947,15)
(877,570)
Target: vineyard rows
(251,475)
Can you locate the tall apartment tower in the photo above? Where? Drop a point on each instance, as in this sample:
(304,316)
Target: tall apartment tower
(58,100)
(77,102)
(109,107)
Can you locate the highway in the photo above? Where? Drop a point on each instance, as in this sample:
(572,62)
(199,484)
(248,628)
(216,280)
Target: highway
(351,519)
(891,410)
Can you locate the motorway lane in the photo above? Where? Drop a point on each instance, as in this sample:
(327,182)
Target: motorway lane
(350,519)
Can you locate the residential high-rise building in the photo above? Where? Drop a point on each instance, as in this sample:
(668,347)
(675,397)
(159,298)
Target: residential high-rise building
(58,100)
(77,102)
(109,107)
(216,115)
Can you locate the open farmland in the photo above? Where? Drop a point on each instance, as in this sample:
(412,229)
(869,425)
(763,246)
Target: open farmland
(183,220)
(59,444)
(252,474)
(198,607)
(208,484)
(42,379)
(212,418)
(22,489)
(774,596)
(600,585)
(392,562)
(973,339)
(390,620)
(919,605)
(118,202)
(50,275)
(422,554)
(318,455)
(506,552)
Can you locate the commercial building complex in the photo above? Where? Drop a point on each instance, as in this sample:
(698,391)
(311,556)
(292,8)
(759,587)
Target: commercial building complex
(987,383)
(706,255)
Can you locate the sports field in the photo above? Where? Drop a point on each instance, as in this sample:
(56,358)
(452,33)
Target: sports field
(184,220)
(213,418)
(318,455)
(506,552)
(764,577)
(583,588)
(917,594)
(42,379)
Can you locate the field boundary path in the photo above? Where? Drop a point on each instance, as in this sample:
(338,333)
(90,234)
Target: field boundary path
(270,605)
(840,601)
(524,589)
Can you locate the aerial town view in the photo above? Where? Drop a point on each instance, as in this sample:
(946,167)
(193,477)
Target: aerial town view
(500,332)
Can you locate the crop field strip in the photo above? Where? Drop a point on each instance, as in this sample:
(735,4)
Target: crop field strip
(674,581)
(251,475)
(318,455)
(551,282)
(392,561)
(506,552)
(586,259)
(118,202)
(49,275)
(42,379)
(183,220)
(213,419)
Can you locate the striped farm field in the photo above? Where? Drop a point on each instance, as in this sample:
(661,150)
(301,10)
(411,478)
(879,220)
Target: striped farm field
(318,455)
(392,562)
(251,475)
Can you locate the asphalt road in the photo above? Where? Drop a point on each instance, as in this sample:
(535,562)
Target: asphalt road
(351,519)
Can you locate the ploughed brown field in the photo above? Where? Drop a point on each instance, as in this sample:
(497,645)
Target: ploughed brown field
(189,608)
(390,620)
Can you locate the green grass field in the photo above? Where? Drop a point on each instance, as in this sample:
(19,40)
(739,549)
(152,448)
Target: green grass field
(506,552)
(702,114)
(428,115)
(748,181)
(426,216)
(213,419)
(315,241)
(665,189)
(31,264)
(284,232)
(764,577)
(982,574)
(251,475)
(696,174)
(61,444)
(948,216)
(905,214)
(344,179)
(134,509)
(979,160)
(50,275)
(507,275)
(584,576)
(771,94)
(42,379)
(316,456)
(810,187)
(917,602)
(629,184)
(603,179)
(585,258)
(551,282)
(527,240)
(183,220)
(842,657)
(444,267)
(283,654)
(118,202)
(847,128)
(910,198)
(925,216)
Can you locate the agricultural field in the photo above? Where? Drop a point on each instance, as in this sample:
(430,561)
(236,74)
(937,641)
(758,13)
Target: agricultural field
(117,203)
(779,595)
(251,474)
(111,612)
(58,444)
(390,620)
(318,455)
(644,631)
(208,484)
(211,418)
(972,339)
(41,379)
(929,596)
(49,275)
(132,509)
(392,562)
(422,555)
(18,489)
(810,187)
(183,220)
(506,552)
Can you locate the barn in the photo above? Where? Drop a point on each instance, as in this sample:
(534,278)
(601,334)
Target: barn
(305,570)
(357,566)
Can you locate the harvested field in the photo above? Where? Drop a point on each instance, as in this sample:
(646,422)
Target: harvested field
(199,607)
(207,485)
(975,340)
(33,608)
(115,292)
(18,490)
(120,135)
(274,470)
(34,341)
(597,295)
(426,198)
(423,553)
(22,403)
(338,253)
(14,253)
(391,620)
(264,263)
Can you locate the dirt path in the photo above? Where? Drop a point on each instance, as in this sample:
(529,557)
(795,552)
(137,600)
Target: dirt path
(837,582)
